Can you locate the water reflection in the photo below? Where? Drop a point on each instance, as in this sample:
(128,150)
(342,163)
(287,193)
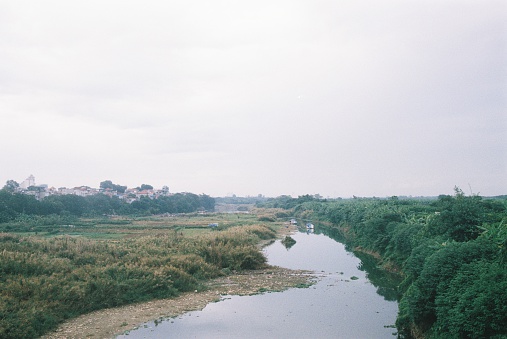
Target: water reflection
(342,304)
(386,282)
(288,242)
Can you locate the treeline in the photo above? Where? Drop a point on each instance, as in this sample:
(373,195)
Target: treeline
(451,251)
(288,202)
(45,281)
(15,205)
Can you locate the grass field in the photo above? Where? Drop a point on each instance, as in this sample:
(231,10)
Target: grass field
(50,272)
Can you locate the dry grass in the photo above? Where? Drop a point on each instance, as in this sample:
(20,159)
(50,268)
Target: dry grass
(110,322)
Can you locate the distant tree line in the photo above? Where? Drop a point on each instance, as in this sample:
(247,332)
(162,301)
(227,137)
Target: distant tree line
(288,202)
(451,252)
(13,205)
(108,184)
(240,200)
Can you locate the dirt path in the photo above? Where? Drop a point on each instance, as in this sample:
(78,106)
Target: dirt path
(111,322)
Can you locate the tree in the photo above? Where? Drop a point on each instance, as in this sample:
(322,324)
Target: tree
(11,186)
(459,218)
(99,204)
(73,204)
(109,184)
(7,213)
(474,304)
(106,184)
(207,202)
(437,272)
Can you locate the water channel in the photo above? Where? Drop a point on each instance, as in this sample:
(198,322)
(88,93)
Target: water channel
(351,299)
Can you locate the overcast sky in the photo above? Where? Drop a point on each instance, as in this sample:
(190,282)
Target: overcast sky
(339,98)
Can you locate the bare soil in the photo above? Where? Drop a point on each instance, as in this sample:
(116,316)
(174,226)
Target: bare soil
(109,323)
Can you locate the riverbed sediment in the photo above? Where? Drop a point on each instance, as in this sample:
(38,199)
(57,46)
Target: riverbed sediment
(109,323)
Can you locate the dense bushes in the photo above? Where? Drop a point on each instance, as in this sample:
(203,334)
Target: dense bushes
(474,304)
(437,272)
(45,281)
(452,252)
(233,248)
(270,214)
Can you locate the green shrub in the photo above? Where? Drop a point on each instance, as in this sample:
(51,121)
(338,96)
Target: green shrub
(44,281)
(475,303)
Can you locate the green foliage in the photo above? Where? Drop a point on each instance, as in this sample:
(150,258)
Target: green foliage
(287,202)
(474,304)
(459,218)
(402,240)
(12,205)
(108,184)
(145,187)
(206,202)
(176,203)
(497,235)
(269,214)
(233,249)
(18,208)
(452,252)
(10,186)
(437,272)
(269,218)
(44,281)
(414,264)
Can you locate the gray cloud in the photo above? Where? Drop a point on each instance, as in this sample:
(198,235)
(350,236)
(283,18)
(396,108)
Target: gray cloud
(272,97)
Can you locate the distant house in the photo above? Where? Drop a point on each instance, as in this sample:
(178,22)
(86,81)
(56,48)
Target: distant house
(65,190)
(130,195)
(30,181)
(110,192)
(145,193)
(83,191)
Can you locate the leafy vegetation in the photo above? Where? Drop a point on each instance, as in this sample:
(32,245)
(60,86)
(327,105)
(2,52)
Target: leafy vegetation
(451,251)
(69,207)
(109,184)
(58,259)
(46,279)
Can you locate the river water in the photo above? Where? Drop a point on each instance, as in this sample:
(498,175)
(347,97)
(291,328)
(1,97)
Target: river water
(351,299)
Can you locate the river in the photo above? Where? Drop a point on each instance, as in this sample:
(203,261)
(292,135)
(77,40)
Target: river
(351,299)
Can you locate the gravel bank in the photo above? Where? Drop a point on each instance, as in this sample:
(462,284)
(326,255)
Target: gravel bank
(110,322)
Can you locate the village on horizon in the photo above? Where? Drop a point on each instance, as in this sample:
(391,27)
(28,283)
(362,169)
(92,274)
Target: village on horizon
(29,187)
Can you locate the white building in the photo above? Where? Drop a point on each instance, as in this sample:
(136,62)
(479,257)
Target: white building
(30,181)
